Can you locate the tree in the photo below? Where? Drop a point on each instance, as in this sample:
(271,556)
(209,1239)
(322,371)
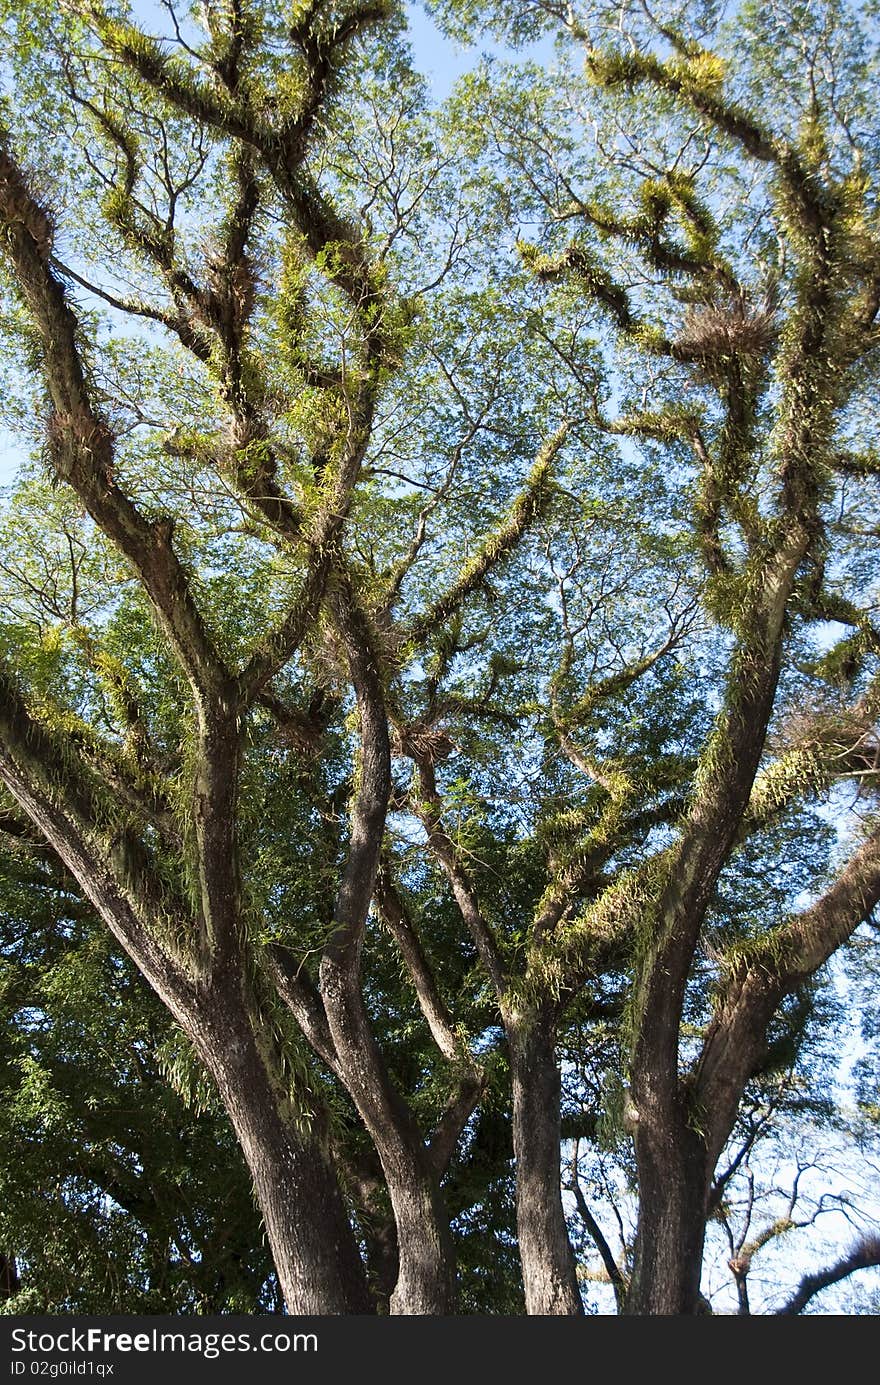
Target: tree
(422,624)
(123,1189)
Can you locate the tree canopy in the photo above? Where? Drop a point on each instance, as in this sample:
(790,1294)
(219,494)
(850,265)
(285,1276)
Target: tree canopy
(438,648)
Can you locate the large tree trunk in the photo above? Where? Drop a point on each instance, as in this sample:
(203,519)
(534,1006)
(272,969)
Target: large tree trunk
(548,1267)
(9,1282)
(426,1279)
(673,1193)
(426,1261)
(309,1232)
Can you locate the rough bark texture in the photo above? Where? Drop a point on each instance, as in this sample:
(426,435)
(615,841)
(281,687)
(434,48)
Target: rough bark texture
(315,1255)
(548,1267)
(426,1263)
(9,1283)
(426,1272)
(672,1219)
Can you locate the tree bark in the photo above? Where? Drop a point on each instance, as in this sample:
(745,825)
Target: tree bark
(673,1195)
(9,1281)
(426,1263)
(307,1225)
(426,1280)
(548,1267)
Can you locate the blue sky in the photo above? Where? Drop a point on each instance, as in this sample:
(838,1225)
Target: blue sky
(441,61)
(436,56)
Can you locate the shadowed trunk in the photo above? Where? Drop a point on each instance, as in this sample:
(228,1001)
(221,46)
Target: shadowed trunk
(426,1278)
(673,1191)
(548,1267)
(9,1282)
(310,1236)
(426,1260)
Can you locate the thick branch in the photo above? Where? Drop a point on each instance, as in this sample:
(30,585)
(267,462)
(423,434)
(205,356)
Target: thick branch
(444,1140)
(430,810)
(863,1256)
(81,445)
(763,973)
(304,1001)
(725,778)
(84,831)
(523,511)
(396,919)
